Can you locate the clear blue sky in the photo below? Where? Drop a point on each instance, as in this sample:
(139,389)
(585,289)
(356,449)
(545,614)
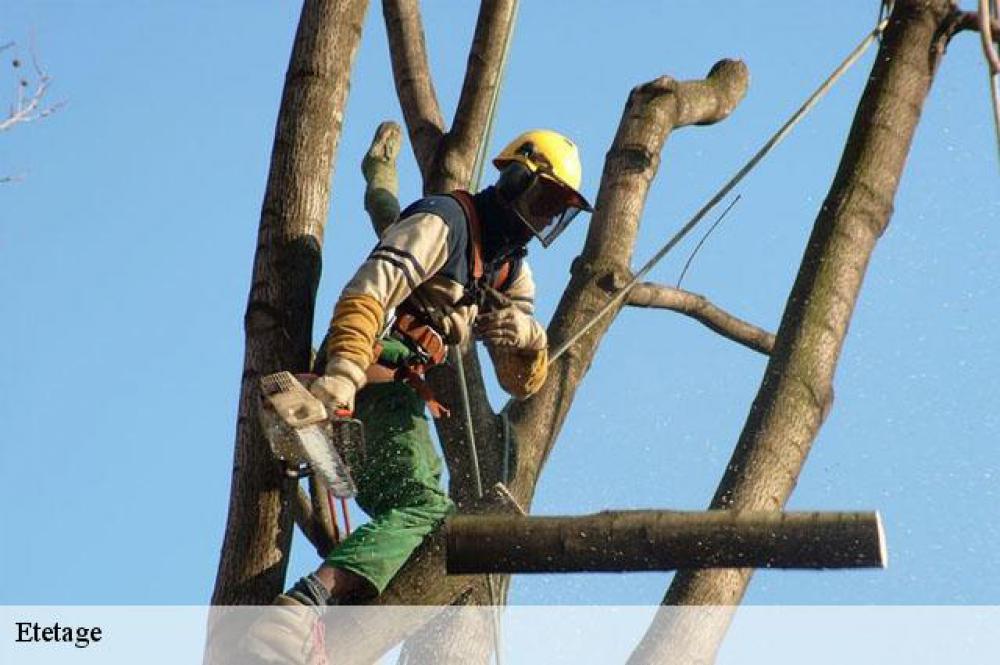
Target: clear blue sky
(125,257)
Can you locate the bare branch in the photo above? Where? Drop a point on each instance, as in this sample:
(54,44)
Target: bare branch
(323,519)
(971,22)
(457,151)
(703,310)
(643,540)
(381,177)
(414,85)
(28,107)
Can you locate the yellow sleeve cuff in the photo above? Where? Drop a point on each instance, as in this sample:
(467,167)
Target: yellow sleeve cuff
(357,320)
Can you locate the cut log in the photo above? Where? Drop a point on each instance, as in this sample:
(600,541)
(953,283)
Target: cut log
(644,540)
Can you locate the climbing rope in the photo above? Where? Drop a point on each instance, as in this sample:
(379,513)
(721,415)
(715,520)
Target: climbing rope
(475,181)
(456,352)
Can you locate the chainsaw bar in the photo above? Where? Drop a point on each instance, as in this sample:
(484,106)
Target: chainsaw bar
(298,432)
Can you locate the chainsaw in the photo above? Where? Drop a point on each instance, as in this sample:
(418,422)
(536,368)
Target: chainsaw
(304,437)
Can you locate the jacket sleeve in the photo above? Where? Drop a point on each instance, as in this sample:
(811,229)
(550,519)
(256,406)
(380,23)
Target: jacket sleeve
(410,252)
(521,372)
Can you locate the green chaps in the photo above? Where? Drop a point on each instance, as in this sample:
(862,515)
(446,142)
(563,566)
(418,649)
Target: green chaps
(399,484)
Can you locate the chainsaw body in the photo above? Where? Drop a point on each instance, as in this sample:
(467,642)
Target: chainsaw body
(300,433)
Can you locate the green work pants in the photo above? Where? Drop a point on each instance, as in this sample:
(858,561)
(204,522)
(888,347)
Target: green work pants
(399,485)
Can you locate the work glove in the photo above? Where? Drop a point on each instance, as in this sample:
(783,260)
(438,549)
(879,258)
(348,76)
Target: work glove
(290,630)
(512,328)
(337,394)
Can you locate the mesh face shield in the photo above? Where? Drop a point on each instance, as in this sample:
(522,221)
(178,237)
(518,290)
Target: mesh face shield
(546,207)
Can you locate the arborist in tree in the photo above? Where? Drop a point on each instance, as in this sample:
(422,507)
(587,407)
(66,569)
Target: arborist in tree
(451,266)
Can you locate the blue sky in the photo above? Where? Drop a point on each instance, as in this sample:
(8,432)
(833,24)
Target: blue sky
(125,256)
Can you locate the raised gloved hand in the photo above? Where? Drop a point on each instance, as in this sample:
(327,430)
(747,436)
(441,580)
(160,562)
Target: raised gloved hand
(336,393)
(289,631)
(510,327)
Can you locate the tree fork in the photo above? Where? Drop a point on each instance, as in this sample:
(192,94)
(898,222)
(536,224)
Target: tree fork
(643,540)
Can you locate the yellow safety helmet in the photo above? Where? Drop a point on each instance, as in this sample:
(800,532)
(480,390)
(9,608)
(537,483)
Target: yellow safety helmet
(545,193)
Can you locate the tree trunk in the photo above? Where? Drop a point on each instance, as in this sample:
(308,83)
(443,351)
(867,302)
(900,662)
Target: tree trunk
(279,314)
(797,391)
(637,540)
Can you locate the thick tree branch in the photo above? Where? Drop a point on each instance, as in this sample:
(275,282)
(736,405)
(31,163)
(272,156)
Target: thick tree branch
(414,85)
(653,110)
(640,540)
(381,177)
(703,310)
(796,392)
(316,531)
(457,150)
(279,314)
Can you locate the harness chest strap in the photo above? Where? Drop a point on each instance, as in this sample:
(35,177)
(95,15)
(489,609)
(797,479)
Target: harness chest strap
(476,263)
(423,334)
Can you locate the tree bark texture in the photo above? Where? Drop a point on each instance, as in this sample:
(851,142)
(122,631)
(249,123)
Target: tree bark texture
(414,86)
(279,314)
(796,391)
(701,309)
(641,540)
(457,149)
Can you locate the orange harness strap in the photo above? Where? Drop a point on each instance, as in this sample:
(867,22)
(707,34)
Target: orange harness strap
(413,376)
(424,335)
(465,200)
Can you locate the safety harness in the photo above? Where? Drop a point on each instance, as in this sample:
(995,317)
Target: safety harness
(418,327)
